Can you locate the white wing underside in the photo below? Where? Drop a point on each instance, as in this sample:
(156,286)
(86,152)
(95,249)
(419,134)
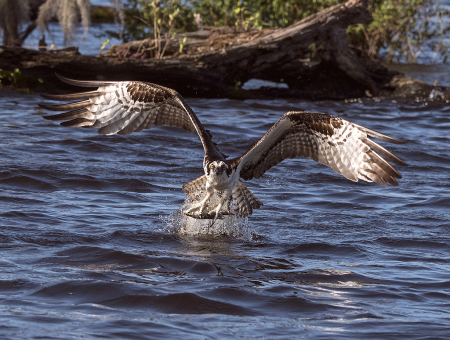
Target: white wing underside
(112,110)
(125,107)
(334,142)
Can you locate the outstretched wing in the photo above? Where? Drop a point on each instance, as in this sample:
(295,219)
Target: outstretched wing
(127,106)
(332,141)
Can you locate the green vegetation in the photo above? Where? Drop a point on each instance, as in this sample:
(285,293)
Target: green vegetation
(19,81)
(154,19)
(103,14)
(242,14)
(257,13)
(401,30)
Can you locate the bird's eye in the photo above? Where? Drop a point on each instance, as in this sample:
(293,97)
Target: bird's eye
(212,166)
(223,167)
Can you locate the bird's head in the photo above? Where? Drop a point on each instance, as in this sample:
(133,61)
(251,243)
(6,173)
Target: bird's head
(217,168)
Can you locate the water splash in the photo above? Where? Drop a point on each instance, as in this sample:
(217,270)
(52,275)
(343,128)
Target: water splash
(229,225)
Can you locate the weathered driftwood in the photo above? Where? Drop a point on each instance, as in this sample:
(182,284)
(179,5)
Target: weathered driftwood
(204,40)
(216,61)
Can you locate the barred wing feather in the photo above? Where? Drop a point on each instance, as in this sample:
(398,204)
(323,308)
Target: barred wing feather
(332,141)
(121,107)
(125,107)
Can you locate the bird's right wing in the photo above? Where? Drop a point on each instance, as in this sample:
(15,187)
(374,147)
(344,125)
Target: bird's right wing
(124,107)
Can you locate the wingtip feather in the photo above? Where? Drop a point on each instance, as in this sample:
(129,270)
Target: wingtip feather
(83,83)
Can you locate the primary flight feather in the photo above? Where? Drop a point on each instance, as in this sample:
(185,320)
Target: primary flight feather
(131,106)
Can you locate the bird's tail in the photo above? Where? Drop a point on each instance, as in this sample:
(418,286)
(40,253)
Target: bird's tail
(243,201)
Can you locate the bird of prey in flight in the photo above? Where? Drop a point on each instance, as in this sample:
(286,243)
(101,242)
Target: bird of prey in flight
(123,107)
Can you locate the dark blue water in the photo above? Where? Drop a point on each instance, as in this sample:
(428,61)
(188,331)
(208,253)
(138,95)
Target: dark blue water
(89,246)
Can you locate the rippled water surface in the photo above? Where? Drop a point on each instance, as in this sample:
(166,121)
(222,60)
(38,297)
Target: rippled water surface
(89,247)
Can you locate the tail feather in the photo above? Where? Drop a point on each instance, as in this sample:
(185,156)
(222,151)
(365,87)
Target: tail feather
(243,200)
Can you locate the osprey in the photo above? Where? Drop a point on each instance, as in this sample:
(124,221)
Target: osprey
(130,106)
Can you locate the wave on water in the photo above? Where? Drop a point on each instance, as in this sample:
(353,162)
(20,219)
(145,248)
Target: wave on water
(95,242)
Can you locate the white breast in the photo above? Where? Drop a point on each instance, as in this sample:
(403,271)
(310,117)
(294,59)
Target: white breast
(222,182)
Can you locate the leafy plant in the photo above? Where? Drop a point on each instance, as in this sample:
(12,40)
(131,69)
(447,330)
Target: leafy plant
(182,45)
(404,30)
(140,18)
(19,81)
(258,13)
(168,12)
(104,44)
(246,19)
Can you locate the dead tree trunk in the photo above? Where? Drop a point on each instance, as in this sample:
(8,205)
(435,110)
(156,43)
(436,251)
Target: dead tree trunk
(270,56)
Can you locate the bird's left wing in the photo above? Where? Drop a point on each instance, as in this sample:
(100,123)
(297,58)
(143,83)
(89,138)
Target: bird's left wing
(124,107)
(332,141)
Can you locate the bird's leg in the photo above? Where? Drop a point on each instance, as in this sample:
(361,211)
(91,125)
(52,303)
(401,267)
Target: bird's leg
(224,197)
(201,205)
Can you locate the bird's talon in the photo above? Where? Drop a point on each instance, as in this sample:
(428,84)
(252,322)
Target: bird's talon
(192,211)
(206,215)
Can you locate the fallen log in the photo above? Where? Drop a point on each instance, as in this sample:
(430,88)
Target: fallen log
(217,61)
